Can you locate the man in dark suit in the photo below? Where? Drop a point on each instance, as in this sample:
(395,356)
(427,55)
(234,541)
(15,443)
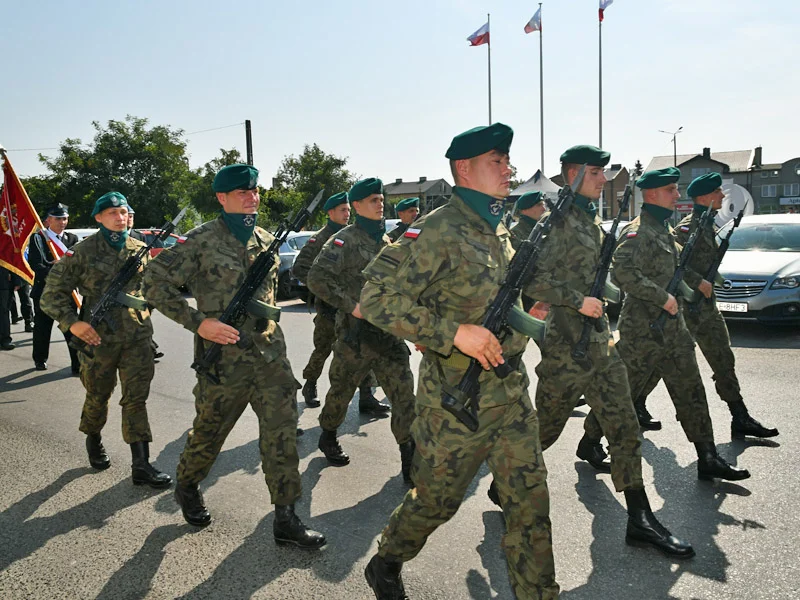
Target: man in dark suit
(41,258)
(7,283)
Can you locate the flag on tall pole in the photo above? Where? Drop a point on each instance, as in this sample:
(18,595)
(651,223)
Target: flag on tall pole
(535,24)
(18,221)
(480,37)
(604,4)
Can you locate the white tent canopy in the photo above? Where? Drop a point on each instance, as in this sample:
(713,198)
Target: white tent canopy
(537,183)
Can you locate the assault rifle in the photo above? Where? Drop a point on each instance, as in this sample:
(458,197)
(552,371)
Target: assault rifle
(712,275)
(676,285)
(243,302)
(115,295)
(462,401)
(601,288)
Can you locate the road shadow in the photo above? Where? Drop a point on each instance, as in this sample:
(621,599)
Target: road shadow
(692,510)
(9,383)
(745,334)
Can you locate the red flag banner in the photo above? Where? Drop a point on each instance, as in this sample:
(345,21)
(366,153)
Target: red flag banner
(480,37)
(604,4)
(18,221)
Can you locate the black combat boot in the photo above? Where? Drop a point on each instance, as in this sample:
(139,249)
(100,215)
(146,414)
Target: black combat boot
(645,530)
(332,449)
(142,471)
(368,404)
(97,453)
(710,464)
(289,529)
(383,576)
(646,420)
(743,424)
(593,453)
(493,495)
(310,393)
(194,510)
(406,459)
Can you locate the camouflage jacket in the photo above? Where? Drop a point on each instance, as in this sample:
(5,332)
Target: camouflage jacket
(705,250)
(565,274)
(89,267)
(520,232)
(444,272)
(398,231)
(644,262)
(212,264)
(309,252)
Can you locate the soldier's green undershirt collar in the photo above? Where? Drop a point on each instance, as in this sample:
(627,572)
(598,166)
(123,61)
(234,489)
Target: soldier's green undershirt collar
(375,229)
(586,205)
(241,226)
(659,212)
(115,239)
(529,220)
(335,226)
(488,208)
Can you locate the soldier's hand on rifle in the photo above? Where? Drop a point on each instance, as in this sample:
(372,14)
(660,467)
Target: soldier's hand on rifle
(539,310)
(592,307)
(479,343)
(218,332)
(705,288)
(84,331)
(357,312)
(671,306)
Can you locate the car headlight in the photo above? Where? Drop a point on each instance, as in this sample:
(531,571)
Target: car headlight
(786,283)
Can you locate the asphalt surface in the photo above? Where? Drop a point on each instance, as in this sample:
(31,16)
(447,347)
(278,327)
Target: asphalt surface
(67,531)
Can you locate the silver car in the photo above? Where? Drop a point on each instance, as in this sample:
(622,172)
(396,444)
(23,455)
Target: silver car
(761,270)
(288,285)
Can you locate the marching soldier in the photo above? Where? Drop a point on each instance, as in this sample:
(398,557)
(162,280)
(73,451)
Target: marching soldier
(41,260)
(705,323)
(336,277)
(644,262)
(564,275)
(338,209)
(407,212)
(212,261)
(531,208)
(433,288)
(131,231)
(121,344)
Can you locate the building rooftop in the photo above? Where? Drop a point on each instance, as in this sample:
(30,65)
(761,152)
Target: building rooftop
(736,161)
(411,188)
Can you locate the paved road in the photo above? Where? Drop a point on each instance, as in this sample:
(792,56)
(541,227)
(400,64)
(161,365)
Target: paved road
(69,532)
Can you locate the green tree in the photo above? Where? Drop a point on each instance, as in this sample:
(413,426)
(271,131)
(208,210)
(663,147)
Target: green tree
(203,197)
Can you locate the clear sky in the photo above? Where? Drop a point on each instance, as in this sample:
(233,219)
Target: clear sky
(389,84)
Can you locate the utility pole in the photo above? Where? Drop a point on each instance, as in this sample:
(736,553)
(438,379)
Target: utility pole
(674,144)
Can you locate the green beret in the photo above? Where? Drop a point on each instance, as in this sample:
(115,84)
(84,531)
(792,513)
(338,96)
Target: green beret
(109,200)
(529,200)
(705,184)
(585,154)
(659,178)
(407,203)
(335,200)
(235,177)
(365,187)
(480,140)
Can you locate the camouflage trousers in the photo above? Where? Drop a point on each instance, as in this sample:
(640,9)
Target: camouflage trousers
(324,338)
(271,390)
(605,386)
(134,362)
(710,332)
(676,363)
(391,367)
(447,458)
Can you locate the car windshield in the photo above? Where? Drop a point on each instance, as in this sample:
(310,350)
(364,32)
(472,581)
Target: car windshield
(297,242)
(765,237)
(170,241)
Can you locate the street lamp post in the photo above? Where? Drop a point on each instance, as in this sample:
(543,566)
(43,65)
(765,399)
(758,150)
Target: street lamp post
(674,144)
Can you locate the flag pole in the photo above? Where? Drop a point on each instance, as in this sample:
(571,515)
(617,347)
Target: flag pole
(489,55)
(600,97)
(541,91)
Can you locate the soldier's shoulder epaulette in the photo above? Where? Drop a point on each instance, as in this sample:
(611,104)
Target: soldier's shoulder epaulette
(631,230)
(263,235)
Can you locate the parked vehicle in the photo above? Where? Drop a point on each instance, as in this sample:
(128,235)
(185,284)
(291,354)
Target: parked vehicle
(81,233)
(288,285)
(761,270)
(149,234)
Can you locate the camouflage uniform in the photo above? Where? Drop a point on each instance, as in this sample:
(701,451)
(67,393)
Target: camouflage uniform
(421,289)
(706,324)
(397,232)
(212,264)
(564,276)
(325,319)
(519,233)
(644,262)
(336,277)
(126,334)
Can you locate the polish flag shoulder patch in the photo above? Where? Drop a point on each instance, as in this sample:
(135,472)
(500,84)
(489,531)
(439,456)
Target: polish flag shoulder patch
(69,252)
(632,234)
(684,228)
(338,242)
(412,233)
(311,240)
(182,239)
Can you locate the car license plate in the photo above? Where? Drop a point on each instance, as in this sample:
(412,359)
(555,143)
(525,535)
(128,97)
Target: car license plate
(740,307)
